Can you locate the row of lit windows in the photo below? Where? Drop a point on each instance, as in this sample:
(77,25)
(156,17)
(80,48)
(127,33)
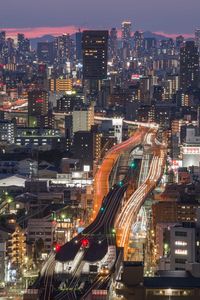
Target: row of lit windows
(181,251)
(180,243)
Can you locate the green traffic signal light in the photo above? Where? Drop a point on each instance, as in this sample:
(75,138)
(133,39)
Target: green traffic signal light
(120,183)
(133,165)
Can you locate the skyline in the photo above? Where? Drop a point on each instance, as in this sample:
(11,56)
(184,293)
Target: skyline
(151,16)
(37,32)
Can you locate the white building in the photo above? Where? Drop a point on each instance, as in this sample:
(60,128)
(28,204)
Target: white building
(83,119)
(41,229)
(191,149)
(182,245)
(7,131)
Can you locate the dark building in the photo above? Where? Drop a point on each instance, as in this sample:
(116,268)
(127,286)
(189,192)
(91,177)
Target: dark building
(87,147)
(150,44)
(68,131)
(68,102)
(179,41)
(79,51)
(2,39)
(45,52)
(95,46)
(37,105)
(189,66)
(113,43)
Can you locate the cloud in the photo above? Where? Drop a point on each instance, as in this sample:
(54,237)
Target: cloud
(40,31)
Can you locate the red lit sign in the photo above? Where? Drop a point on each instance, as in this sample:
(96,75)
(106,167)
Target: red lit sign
(39,101)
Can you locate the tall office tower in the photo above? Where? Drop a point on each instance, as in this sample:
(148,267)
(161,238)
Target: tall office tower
(150,45)
(45,52)
(197,39)
(79,52)
(189,66)
(37,106)
(95,48)
(23,43)
(138,43)
(126,39)
(64,48)
(113,44)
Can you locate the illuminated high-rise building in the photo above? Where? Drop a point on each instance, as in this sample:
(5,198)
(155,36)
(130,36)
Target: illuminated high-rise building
(189,66)
(2,37)
(113,43)
(126,32)
(138,42)
(126,39)
(64,48)
(197,39)
(95,48)
(23,43)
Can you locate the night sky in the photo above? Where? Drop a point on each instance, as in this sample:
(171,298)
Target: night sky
(169,16)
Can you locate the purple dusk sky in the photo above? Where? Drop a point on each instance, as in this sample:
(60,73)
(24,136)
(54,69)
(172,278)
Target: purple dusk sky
(170,16)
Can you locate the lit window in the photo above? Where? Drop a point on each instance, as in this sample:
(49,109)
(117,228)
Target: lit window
(181,252)
(180,243)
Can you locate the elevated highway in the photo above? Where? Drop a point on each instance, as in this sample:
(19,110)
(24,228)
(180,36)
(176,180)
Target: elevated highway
(95,250)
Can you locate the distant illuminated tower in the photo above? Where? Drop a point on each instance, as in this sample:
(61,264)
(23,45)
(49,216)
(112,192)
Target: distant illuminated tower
(126,38)
(113,43)
(126,32)
(189,66)
(64,48)
(197,39)
(138,42)
(23,43)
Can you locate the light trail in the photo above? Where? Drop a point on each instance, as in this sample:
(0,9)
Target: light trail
(101,180)
(129,212)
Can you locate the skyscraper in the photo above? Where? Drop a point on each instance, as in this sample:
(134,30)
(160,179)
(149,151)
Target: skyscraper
(126,39)
(64,48)
(2,37)
(23,43)
(138,42)
(79,52)
(45,52)
(197,39)
(95,48)
(189,66)
(113,43)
